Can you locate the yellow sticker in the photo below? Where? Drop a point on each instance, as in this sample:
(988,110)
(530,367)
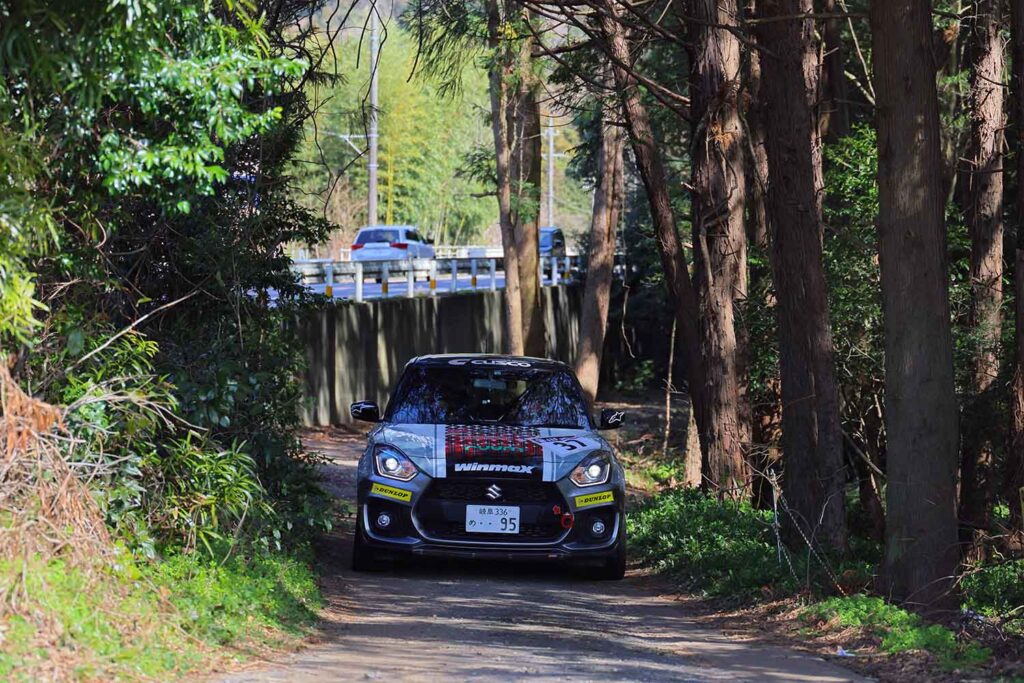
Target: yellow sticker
(391,492)
(595,499)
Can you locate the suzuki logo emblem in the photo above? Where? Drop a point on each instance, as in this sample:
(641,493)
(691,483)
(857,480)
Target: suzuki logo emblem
(493,492)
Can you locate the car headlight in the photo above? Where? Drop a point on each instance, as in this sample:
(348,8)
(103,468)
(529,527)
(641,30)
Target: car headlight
(592,471)
(393,464)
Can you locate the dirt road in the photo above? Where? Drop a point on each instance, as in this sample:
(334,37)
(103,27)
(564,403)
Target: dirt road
(499,623)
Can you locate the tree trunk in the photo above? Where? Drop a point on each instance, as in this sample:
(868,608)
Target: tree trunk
(719,237)
(834,118)
(525,145)
(722,465)
(499,92)
(600,259)
(766,416)
(921,554)
(1015,456)
(757,225)
(982,184)
(812,449)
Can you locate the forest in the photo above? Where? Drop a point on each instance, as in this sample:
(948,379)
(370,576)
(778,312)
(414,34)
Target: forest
(819,205)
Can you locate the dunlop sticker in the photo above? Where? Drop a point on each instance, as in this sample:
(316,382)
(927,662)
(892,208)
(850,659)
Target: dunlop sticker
(595,499)
(391,492)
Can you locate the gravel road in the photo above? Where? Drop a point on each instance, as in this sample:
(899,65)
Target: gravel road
(487,622)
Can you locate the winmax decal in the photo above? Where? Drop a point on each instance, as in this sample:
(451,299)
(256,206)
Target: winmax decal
(484,467)
(391,492)
(589,499)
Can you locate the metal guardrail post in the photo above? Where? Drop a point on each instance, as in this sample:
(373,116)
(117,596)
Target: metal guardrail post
(410,279)
(359,282)
(472,270)
(385,275)
(455,275)
(493,265)
(554,271)
(329,280)
(433,277)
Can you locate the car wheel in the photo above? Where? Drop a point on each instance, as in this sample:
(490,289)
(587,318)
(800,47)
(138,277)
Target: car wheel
(614,568)
(362,556)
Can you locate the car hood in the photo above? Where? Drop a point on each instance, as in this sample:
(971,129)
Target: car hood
(453,451)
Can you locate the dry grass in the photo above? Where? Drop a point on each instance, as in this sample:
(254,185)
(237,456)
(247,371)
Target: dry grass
(45,510)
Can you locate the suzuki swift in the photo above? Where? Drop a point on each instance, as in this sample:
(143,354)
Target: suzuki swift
(485,456)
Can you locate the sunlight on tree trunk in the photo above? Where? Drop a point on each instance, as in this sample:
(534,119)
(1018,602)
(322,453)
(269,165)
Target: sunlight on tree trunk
(608,197)
(525,147)
(718,198)
(681,293)
(499,123)
(982,184)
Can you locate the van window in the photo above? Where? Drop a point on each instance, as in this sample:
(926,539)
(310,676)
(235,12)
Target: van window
(377,235)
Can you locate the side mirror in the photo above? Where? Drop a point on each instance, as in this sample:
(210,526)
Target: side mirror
(367,411)
(611,419)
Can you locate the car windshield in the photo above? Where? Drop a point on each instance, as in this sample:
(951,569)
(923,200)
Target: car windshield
(377,236)
(470,393)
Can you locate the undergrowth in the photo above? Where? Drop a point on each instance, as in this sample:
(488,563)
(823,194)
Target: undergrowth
(896,629)
(729,550)
(719,549)
(129,620)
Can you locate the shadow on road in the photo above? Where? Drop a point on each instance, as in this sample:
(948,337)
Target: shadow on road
(497,621)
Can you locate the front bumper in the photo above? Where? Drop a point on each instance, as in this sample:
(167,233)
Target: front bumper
(427,518)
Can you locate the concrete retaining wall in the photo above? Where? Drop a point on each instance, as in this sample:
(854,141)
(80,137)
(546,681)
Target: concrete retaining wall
(356,352)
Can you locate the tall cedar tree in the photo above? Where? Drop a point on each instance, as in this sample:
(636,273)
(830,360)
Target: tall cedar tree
(526,161)
(812,446)
(982,185)
(718,202)
(651,169)
(500,74)
(1015,458)
(608,198)
(921,554)
(834,119)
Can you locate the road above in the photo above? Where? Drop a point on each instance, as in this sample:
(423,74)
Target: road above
(486,622)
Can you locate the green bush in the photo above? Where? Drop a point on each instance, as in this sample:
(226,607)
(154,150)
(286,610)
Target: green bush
(995,589)
(720,548)
(897,629)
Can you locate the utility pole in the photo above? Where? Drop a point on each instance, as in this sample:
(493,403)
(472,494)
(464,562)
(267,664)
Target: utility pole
(551,171)
(371,204)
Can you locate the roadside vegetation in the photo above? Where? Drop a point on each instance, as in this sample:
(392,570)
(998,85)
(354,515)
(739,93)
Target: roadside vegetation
(732,556)
(156,506)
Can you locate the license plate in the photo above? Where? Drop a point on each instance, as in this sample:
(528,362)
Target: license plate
(492,519)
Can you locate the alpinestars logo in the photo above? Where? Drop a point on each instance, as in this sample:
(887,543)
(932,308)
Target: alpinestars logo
(483,467)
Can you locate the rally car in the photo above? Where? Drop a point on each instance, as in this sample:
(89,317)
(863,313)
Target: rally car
(486,456)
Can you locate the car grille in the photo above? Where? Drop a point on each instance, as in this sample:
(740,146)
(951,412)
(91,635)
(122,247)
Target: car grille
(441,510)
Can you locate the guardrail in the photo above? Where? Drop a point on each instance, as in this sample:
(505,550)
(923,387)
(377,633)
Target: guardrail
(443,251)
(481,270)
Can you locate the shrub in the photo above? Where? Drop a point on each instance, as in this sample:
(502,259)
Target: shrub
(720,548)
(897,629)
(996,589)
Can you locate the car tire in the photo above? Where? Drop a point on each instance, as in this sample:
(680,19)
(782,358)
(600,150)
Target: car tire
(614,568)
(362,556)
